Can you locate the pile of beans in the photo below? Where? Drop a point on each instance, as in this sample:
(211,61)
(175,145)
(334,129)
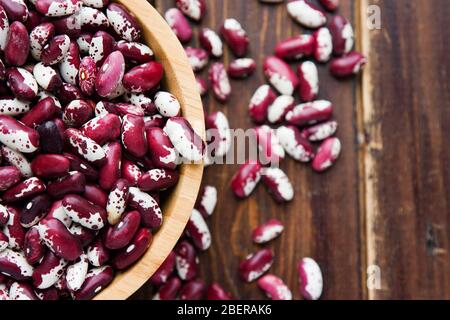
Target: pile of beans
(283,127)
(88,143)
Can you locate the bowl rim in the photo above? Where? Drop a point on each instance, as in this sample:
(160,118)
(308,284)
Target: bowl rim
(179,79)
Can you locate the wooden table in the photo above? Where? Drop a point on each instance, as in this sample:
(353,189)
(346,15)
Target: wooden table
(386,204)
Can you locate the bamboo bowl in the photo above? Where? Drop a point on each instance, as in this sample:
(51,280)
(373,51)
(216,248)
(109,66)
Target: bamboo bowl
(179,79)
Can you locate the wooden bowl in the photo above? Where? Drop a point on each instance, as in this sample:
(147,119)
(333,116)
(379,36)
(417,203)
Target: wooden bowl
(179,80)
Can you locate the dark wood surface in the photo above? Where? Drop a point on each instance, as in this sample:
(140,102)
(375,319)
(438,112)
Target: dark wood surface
(387,201)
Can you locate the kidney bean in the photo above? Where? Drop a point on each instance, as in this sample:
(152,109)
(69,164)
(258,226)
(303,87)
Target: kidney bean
(320,131)
(263,97)
(165,270)
(268,231)
(270,149)
(154,121)
(192,9)
(327,154)
(310,279)
(139,244)
(13,106)
(202,85)
(120,235)
(102,45)
(278,184)
(141,101)
(74,182)
(179,24)
(99,4)
(255,265)
(67,93)
(216,292)
(13,264)
(33,249)
(34,19)
(85,147)
(96,280)
(48,271)
(143,77)
(162,151)
(84,235)
(97,254)
(55,50)
(211,42)
(130,172)
(193,290)
(158,179)
(76,273)
(39,37)
(295,48)
(220,83)
(50,139)
(83,212)
(348,65)
(9,176)
(87,75)
(17,45)
(279,108)
(4,28)
(50,294)
(84,42)
(135,51)
(280,75)
(93,19)
(147,206)
(306,14)
(34,210)
(324,45)
(70,64)
(102,129)
(330,5)
(57,212)
(198,231)
(22,83)
(274,288)
(17,10)
(198,58)
(241,68)
(22,291)
(76,164)
(110,172)
(110,75)
(14,230)
(4,241)
(96,195)
(167,104)
(50,165)
(169,290)
(294,144)
(24,190)
(310,113)
(117,201)
(77,113)
(123,22)
(246,179)
(4,215)
(218,134)
(185,140)
(342,35)
(57,238)
(133,135)
(309,81)
(186,261)
(68,25)
(206,201)
(57,8)
(235,36)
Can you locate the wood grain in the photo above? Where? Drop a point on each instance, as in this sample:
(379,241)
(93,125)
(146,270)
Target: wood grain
(179,80)
(406,121)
